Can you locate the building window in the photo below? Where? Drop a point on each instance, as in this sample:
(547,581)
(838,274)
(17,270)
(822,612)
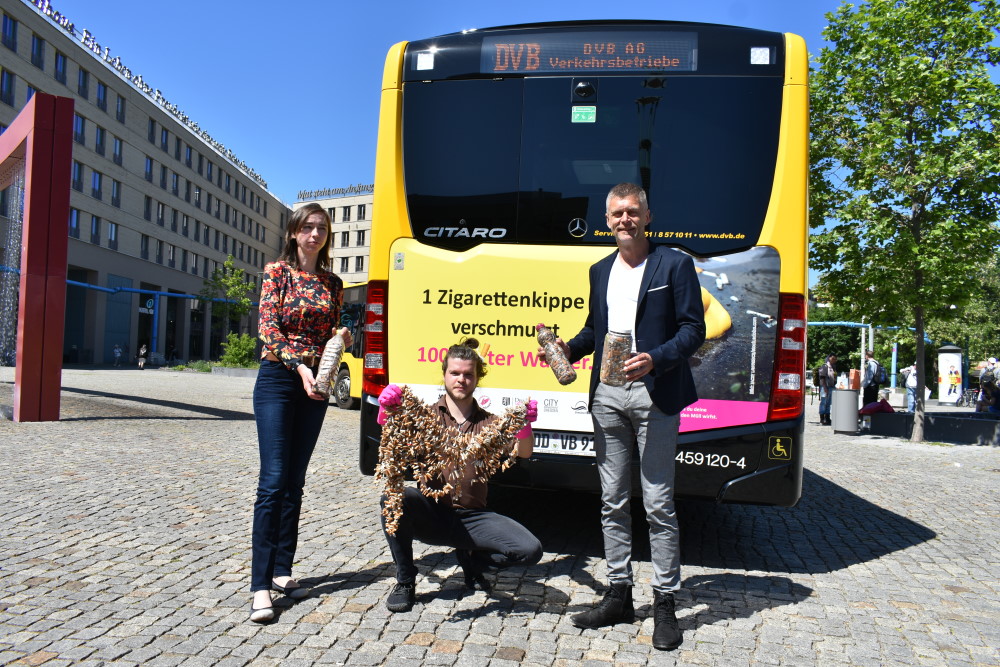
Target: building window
(151,131)
(177,148)
(161,213)
(265,209)
(218,208)
(345,239)
(184,225)
(159,251)
(362,210)
(346,214)
(197,196)
(78,176)
(175,183)
(360,238)
(332,213)
(100,140)
(359,263)
(208,203)
(113,235)
(147,207)
(208,170)
(163,176)
(171,256)
(227,183)
(194,264)
(116,193)
(60,72)
(95,230)
(96,180)
(201,163)
(29,95)
(120,109)
(102,96)
(165,139)
(83,83)
(344,265)
(7,87)
(187,190)
(184,260)
(217,235)
(144,247)
(241,251)
(225,243)
(79,129)
(74,223)
(116,154)
(37,51)
(149,169)
(10,33)
(173,220)
(187,155)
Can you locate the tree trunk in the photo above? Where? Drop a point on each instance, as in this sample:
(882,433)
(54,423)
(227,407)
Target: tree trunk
(918,413)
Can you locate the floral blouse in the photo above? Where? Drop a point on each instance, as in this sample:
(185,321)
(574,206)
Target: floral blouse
(298,312)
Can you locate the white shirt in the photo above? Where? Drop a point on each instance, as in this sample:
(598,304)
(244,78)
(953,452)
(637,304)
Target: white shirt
(623,296)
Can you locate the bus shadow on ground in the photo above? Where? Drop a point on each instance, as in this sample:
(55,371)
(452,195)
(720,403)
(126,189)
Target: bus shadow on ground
(831,528)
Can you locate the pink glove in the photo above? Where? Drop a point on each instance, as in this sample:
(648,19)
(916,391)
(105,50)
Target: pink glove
(530,415)
(390,398)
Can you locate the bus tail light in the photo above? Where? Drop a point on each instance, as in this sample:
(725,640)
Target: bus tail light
(376,371)
(788,383)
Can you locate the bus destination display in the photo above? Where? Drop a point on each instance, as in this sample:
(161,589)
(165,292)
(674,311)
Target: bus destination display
(547,53)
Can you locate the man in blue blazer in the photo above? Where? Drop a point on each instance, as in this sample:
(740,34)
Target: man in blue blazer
(653,292)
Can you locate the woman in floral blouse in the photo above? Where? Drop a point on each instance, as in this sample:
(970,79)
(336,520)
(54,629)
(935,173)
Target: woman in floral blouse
(299,310)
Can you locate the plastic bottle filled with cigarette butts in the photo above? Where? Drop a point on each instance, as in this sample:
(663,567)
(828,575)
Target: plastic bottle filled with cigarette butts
(617,351)
(557,361)
(329,363)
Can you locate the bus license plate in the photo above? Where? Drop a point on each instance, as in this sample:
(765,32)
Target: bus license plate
(572,444)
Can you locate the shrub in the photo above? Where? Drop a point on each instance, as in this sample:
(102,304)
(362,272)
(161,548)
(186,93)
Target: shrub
(239,351)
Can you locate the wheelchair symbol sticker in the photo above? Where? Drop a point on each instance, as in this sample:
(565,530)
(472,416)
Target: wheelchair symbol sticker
(779,448)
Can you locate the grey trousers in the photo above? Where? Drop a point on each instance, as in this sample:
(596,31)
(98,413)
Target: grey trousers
(623,416)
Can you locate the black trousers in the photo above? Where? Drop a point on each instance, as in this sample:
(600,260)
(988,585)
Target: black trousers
(495,541)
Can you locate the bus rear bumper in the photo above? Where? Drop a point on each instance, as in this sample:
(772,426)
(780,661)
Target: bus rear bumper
(771,475)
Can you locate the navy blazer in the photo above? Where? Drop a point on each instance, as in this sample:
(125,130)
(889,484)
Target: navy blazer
(669,325)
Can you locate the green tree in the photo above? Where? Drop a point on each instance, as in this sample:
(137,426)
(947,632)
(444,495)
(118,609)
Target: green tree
(905,159)
(228,290)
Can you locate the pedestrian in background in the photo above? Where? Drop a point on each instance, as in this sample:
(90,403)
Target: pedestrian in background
(869,384)
(827,382)
(141,358)
(910,382)
(299,310)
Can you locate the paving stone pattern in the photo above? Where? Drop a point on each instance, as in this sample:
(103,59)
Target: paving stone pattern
(126,541)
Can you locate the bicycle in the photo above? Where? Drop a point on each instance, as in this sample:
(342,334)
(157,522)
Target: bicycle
(967,399)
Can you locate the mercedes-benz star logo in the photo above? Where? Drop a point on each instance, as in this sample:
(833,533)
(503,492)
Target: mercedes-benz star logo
(577,227)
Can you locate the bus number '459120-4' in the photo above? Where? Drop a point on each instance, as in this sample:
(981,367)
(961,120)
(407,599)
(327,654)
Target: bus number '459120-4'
(710,460)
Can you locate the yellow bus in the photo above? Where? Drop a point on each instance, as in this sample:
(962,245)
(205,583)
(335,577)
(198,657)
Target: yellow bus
(346,393)
(496,151)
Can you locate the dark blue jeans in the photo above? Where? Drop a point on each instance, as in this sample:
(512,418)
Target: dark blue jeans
(495,541)
(288,425)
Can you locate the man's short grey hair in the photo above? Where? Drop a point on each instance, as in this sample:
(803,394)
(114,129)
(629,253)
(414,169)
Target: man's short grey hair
(623,190)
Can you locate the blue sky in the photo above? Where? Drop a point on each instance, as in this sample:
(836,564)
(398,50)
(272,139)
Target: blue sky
(292,88)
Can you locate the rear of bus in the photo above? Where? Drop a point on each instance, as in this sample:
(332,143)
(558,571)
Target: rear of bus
(496,151)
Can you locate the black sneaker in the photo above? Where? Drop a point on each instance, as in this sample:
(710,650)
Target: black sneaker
(616,607)
(401,598)
(666,633)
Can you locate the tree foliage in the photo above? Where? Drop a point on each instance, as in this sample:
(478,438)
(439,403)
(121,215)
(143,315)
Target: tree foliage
(229,291)
(905,158)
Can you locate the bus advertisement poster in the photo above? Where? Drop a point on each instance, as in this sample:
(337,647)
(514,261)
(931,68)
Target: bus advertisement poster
(500,308)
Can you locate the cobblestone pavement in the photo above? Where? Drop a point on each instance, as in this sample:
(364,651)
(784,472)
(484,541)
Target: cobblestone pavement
(126,541)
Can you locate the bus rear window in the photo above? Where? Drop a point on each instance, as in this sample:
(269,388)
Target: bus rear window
(531,160)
